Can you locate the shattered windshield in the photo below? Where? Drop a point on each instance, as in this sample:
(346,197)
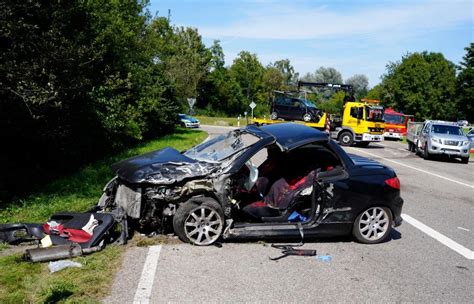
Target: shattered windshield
(222,146)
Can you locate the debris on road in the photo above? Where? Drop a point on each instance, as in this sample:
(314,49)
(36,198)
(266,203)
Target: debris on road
(60,265)
(324,258)
(288,250)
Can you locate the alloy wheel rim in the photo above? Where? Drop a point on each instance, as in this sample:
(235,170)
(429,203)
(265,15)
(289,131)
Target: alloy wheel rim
(346,139)
(203,226)
(373,224)
(307,117)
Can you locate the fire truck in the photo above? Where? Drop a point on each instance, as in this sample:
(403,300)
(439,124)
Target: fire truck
(396,124)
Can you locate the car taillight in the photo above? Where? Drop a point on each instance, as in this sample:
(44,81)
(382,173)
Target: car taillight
(393,182)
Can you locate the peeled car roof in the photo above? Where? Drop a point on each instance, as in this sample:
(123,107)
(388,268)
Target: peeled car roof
(292,135)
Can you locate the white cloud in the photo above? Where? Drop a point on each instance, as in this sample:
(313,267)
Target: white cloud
(284,22)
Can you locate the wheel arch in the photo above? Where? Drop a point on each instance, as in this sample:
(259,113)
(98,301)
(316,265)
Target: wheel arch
(344,129)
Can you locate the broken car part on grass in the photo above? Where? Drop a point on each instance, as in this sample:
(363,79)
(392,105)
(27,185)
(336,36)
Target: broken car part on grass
(275,181)
(65,235)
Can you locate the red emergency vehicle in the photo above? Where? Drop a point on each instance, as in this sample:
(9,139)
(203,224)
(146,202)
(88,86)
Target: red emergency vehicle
(395,124)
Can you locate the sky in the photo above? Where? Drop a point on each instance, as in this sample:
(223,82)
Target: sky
(355,37)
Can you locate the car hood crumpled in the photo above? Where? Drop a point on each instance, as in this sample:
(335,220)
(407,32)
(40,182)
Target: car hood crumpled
(166,166)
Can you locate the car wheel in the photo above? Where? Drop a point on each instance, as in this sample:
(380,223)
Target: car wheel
(274,115)
(307,117)
(465,160)
(346,139)
(426,154)
(199,224)
(373,225)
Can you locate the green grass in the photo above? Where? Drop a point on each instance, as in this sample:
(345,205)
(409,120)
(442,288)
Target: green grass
(221,121)
(22,281)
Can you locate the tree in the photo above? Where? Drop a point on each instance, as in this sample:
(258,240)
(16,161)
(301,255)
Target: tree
(79,79)
(273,80)
(323,74)
(248,73)
(465,86)
(375,92)
(360,85)
(217,56)
(290,77)
(219,93)
(422,84)
(188,64)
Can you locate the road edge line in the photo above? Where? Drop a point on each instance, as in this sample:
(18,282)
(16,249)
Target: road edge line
(145,284)
(465,252)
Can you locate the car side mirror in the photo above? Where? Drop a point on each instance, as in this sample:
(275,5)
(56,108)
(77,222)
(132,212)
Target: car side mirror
(333,175)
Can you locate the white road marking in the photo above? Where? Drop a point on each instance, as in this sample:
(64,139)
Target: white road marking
(465,252)
(461,228)
(417,169)
(145,285)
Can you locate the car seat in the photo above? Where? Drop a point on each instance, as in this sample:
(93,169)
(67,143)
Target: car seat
(279,202)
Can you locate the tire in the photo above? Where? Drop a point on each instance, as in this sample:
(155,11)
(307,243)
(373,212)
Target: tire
(274,116)
(307,117)
(346,138)
(373,225)
(199,224)
(426,154)
(465,160)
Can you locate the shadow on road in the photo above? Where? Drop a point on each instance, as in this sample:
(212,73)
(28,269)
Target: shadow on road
(446,159)
(369,147)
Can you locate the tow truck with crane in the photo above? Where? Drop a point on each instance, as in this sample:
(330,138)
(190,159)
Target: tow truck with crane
(358,122)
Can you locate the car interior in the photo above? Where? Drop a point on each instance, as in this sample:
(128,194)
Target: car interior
(276,186)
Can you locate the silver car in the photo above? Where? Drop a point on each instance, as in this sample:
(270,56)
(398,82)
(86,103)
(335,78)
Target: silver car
(470,136)
(443,138)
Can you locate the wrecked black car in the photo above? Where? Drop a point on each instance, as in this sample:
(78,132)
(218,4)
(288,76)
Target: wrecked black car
(282,180)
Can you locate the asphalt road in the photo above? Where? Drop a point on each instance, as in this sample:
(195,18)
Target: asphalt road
(411,267)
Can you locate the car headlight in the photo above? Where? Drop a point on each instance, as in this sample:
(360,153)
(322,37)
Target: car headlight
(465,142)
(438,140)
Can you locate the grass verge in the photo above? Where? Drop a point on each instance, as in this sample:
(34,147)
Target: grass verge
(24,282)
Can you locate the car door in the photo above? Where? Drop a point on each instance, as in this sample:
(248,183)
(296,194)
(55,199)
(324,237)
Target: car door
(424,136)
